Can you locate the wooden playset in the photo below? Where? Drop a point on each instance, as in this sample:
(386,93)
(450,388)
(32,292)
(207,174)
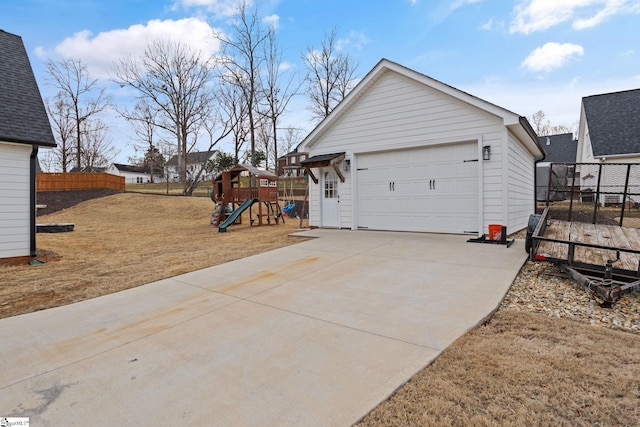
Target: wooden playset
(240,188)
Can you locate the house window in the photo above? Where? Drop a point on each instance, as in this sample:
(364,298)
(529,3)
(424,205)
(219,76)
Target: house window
(139,180)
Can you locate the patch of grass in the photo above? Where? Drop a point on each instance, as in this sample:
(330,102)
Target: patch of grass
(171,189)
(126,240)
(524,369)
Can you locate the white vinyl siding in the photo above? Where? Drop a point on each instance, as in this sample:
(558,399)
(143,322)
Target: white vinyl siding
(15,236)
(398,112)
(520,186)
(393,112)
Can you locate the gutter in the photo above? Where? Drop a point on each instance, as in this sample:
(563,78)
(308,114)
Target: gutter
(32,197)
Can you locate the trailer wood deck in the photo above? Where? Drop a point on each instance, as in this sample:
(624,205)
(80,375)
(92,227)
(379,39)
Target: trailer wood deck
(588,241)
(591,230)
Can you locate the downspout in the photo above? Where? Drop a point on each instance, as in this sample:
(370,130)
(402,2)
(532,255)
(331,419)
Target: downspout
(527,127)
(32,197)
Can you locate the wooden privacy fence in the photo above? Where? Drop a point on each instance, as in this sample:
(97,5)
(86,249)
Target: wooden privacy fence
(46,181)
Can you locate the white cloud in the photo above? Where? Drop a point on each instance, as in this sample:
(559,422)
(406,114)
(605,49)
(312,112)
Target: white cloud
(538,15)
(487,25)
(356,39)
(492,24)
(444,8)
(551,55)
(272,21)
(102,51)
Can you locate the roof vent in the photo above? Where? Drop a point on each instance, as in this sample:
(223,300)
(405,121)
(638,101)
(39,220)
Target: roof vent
(548,141)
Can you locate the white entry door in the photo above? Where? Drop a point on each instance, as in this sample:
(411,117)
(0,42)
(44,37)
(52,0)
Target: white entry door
(330,199)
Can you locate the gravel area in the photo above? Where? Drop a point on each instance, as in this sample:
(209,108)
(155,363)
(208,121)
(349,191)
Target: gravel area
(542,287)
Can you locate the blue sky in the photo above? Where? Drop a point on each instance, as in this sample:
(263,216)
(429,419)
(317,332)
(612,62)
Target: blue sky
(523,55)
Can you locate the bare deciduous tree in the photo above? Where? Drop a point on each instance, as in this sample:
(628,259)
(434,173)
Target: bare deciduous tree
(242,59)
(278,90)
(81,94)
(61,116)
(142,119)
(292,138)
(175,80)
(330,76)
(543,126)
(232,98)
(96,149)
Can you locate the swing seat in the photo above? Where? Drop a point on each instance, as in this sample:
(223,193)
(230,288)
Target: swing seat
(289,208)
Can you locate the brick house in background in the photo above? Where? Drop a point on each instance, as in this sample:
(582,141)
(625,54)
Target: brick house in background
(289,164)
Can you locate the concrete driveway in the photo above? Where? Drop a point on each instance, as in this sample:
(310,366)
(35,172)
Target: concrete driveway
(317,333)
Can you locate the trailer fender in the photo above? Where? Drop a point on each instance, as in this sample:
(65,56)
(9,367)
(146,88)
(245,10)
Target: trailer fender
(534,219)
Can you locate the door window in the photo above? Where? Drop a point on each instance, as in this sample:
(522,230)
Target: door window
(330,185)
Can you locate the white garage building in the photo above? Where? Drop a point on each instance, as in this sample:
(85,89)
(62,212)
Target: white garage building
(406,152)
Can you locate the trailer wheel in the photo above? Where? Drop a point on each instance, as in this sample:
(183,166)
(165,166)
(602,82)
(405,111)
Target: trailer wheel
(533,223)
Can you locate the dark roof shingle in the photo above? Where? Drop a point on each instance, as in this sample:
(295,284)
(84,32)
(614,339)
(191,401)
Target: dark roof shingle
(560,148)
(614,122)
(23,118)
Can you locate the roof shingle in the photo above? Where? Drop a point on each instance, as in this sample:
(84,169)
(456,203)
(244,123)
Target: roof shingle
(614,122)
(23,118)
(560,148)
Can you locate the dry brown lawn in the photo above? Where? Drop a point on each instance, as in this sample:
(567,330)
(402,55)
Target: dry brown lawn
(524,369)
(519,369)
(126,240)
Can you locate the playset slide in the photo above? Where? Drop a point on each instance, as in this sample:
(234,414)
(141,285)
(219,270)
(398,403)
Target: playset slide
(222,228)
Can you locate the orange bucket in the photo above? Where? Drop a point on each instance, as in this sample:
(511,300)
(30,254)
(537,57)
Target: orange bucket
(495,231)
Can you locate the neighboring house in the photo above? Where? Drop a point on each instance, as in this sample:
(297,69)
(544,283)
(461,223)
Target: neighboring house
(289,164)
(609,128)
(195,162)
(406,152)
(133,174)
(24,127)
(88,169)
(560,148)
(609,132)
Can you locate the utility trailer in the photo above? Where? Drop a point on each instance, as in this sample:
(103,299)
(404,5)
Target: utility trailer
(590,226)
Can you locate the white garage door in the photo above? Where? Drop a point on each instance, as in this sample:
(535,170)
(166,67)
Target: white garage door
(433,189)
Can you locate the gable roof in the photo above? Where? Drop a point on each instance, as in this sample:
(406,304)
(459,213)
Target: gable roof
(193,158)
(253,170)
(88,169)
(519,125)
(134,169)
(560,148)
(614,122)
(23,118)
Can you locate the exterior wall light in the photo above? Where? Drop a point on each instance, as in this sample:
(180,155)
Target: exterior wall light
(486,152)
(346,165)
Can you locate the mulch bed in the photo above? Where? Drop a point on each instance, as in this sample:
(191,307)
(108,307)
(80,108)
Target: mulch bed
(59,200)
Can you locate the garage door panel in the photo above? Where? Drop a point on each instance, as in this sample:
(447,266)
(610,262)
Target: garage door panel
(423,189)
